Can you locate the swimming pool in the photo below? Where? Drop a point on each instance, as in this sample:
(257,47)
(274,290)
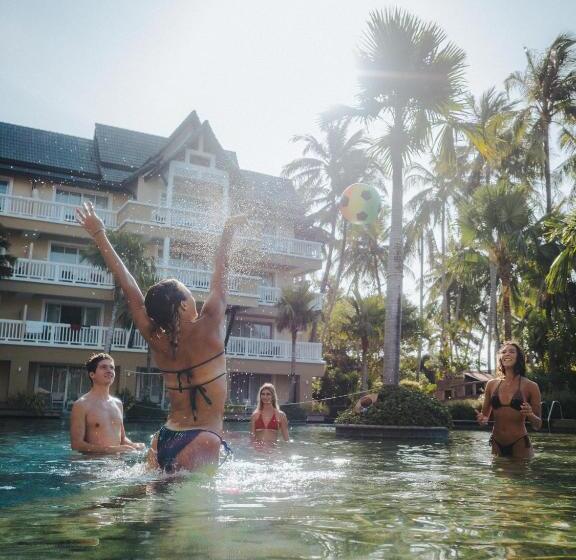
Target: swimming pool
(319,497)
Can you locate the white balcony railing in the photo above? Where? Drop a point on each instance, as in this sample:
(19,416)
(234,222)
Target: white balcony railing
(41,333)
(187,219)
(291,246)
(46,210)
(59,273)
(200,173)
(270,349)
(270,295)
(199,280)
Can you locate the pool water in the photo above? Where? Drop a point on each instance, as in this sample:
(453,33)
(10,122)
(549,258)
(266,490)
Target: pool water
(318,497)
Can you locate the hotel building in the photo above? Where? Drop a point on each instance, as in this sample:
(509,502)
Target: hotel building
(175,194)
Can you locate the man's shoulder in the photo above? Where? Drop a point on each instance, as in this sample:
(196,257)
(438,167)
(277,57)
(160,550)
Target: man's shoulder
(82,401)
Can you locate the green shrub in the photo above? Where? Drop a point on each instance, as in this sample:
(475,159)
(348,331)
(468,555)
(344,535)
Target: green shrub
(34,403)
(399,406)
(294,412)
(463,409)
(230,409)
(424,386)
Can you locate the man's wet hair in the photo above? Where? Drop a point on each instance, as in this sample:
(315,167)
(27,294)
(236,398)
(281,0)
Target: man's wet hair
(93,361)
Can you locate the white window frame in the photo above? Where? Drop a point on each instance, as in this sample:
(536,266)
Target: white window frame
(100,306)
(64,244)
(202,154)
(81,192)
(10,181)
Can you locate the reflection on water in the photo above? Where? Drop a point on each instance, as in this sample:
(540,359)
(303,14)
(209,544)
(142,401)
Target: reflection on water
(319,497)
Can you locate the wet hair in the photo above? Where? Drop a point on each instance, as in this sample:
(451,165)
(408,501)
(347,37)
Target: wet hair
(519,366)
(162,303)
(93,361)
(272,389)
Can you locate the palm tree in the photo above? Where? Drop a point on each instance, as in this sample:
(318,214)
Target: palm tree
(295,313)
(132,251)
(326,168)
(494,220)
(547,86)
(366,325)
(6,260)
(564,266)
(409,76)
(366,255)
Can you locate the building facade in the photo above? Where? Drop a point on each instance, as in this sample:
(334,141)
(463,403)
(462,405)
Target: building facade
(175,194)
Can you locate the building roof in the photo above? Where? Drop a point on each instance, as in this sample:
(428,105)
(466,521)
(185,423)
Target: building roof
(35,148)
(115,156)
(125,148)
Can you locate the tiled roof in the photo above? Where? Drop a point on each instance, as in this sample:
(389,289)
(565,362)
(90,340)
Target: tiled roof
(126,148)
(40,148)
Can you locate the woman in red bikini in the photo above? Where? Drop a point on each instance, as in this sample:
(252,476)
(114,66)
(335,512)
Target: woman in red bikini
(513,399)
(267,420)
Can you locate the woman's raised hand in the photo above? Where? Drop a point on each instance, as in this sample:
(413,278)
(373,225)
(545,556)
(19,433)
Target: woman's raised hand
(89,220)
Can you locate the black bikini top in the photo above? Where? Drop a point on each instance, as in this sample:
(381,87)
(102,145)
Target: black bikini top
(515,402)
(194,389)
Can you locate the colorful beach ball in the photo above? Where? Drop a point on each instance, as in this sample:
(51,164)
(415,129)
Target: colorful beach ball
(360,204)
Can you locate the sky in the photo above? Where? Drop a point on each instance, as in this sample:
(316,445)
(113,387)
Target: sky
(259,71)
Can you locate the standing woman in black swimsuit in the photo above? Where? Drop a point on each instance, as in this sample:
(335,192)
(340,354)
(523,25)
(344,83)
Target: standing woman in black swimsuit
(187,347)
(514,400)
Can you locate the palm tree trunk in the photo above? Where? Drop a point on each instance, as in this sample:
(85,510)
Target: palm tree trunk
(293,396)
(420,303)
(547,178)
(393,321)
(326,275)
(364,386)
(493,319)
(505,279)
(110,331)
(334,289)
(444,335)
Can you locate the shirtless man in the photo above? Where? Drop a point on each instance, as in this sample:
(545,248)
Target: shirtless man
(96,422)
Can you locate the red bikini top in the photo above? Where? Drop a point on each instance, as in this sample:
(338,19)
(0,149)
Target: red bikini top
(272,425)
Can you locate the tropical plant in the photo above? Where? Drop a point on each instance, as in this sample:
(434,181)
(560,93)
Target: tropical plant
(366,324)
(295,313)
(132,251)
(326,168)
(564,266)
(495,220)
(409,77)
(547,88)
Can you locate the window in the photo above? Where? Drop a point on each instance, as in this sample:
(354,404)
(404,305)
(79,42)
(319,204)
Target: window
(244,387)
(268,279)
(85,316)
(4,184)
(249,329)
(65,254)
(149,387)
(76,199)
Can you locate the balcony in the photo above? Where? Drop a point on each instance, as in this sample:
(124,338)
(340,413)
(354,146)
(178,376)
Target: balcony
(199,173)
(140,214)
(41,333)
(292,247)
(199,280)
(46,210)
(270,295)
(47,272)
(270,349)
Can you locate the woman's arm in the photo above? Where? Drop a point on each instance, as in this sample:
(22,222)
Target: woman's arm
(215,304)
(532,410)
(284,426)
(92,223)
(253,425)
(484,416)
